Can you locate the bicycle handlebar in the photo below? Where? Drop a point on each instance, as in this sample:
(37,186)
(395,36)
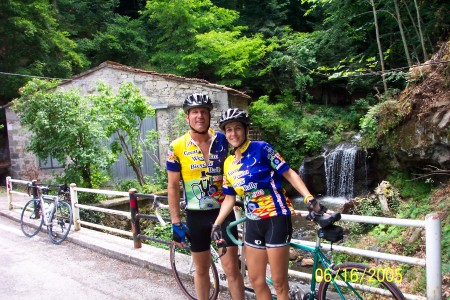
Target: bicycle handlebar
(45,188)
(230,235)
(323,220)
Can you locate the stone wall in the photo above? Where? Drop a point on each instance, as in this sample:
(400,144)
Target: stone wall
(24,165)
(166,93)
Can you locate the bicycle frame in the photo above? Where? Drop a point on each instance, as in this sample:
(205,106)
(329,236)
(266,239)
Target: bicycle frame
(319,258)
(45,212)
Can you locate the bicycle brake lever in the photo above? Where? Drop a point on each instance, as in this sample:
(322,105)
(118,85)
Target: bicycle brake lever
(222,245)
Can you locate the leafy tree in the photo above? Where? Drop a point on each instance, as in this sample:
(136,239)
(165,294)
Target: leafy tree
(289,64)
(122,114)
(124,41)
(197,39)
(230,56)
(63,126)
(84,18)
(33,44)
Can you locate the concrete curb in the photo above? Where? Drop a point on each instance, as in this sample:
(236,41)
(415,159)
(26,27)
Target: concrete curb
(153,258)
(117,247)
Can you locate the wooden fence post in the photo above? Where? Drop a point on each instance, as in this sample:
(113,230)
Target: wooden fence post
(134,210)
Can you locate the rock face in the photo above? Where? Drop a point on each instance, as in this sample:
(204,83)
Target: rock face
(314,174)
(424,136)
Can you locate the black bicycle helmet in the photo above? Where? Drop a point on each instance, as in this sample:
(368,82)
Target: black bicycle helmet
(197,100)
(233,115)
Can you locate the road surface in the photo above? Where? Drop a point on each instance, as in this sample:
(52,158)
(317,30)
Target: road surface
(34,268)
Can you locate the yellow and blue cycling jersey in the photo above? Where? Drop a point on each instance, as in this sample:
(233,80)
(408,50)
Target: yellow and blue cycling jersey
(256,178)
(202,185)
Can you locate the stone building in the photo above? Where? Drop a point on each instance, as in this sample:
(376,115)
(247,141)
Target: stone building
(164,92)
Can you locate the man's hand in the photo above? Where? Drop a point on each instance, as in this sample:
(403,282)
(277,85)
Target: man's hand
(216,233)
(179,232)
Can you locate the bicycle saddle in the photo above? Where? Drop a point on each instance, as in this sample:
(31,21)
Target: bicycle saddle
(325,220)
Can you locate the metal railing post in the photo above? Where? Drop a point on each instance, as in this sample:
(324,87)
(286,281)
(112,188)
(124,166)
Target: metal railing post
(433,256)
(134,210)
(8,192)
(75,209)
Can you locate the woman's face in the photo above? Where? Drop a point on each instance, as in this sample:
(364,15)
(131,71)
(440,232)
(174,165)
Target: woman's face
(235,133)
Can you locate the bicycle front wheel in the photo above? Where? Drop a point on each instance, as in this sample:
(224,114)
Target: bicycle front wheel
(31,218)
(60,222)
(358,281)
(183,270)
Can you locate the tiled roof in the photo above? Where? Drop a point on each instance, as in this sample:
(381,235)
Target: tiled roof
(121,67)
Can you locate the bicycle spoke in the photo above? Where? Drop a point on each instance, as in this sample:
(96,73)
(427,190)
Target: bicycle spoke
(357,281)
(30,219)
(183,271)
(60,223)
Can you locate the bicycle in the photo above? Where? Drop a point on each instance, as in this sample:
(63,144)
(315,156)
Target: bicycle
(51,211)
(181,261)
(343,281)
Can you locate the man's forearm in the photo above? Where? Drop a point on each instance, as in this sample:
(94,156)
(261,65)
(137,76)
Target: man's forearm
(173,195)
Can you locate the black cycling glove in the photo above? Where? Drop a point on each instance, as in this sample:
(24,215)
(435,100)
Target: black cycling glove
(216,232)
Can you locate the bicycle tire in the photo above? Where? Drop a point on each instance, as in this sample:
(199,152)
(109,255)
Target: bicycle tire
(183,272)
(60,222)
(359,274)
(31,219)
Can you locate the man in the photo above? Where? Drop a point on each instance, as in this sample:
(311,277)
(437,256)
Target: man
(196,159)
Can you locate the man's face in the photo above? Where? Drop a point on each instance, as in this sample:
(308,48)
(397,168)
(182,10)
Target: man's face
(199,119)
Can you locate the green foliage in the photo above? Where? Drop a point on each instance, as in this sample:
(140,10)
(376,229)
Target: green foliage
(153,184)
(63,126)
(371,206)
(33,44)
(159,231)
(377,125)
(173,27)
(231,56)
(298,131)
(123,40)
(418,189)
(179,125)
(289,63)
(446,247)
(159,179)
(122,115)
(84,18)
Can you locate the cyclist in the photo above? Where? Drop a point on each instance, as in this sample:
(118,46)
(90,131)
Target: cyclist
(254,172)
(196,159)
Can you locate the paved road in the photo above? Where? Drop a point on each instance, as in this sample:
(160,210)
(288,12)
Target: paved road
(37,269)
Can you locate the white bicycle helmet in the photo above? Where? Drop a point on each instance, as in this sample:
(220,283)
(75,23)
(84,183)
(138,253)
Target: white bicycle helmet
(197,100)
(233,115)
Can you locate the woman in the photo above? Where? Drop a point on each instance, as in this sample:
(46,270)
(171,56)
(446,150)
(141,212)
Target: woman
(253,172)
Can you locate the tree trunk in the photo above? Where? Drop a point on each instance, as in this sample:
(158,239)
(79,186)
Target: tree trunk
(425,55)
(400,25)
(380,51)
(134,165)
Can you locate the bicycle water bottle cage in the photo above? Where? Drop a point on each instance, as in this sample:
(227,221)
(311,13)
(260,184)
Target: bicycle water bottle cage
(331,233)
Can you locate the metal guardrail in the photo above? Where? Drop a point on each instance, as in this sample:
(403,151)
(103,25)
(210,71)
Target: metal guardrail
(431,224)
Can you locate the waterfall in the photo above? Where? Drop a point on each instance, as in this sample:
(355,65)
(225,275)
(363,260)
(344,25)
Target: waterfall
(340,171)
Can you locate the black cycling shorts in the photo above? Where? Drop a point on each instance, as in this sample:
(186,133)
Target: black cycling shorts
(200,224)
(268,233)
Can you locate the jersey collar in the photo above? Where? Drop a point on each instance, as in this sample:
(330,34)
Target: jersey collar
(244,146)
(190,140)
